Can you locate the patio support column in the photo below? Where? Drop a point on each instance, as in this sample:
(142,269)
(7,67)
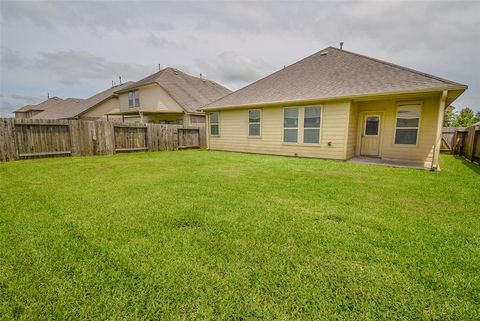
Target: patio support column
(141,117)
(438,134)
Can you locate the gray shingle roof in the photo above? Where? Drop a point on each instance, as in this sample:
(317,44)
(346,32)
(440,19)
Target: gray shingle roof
(73,107)
(189,92)
(41,106)
(332,73)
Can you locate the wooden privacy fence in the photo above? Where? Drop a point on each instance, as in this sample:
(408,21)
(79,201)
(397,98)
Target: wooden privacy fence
(32,138)
(449,135)
(466,142)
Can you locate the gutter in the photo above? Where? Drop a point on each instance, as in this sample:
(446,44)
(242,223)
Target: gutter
(317,100)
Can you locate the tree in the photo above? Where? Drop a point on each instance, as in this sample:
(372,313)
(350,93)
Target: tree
(449,117)
(477,117)
(465,118)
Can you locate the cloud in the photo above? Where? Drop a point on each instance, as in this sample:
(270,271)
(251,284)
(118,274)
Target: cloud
(9,103)
(26,99)
(7,107)
(233,69)
(10,58)
(75,67)
(77,47)
(51,14)
(159,42)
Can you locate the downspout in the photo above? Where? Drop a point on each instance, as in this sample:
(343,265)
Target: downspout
(438,134)
(207,129)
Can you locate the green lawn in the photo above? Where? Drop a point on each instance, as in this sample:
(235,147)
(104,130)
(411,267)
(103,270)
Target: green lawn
(211,235)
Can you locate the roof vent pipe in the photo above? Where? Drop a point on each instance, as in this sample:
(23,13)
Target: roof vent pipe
(200,75)
(159,67)
(120,78)
(341,45)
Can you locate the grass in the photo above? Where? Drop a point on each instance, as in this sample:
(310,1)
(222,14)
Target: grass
(211,235)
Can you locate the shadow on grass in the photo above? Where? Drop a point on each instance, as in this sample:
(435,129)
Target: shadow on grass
(474,167)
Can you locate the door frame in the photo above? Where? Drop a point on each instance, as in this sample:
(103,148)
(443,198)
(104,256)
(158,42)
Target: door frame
(360,130)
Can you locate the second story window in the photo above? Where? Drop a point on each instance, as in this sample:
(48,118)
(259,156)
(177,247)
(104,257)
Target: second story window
(133,98)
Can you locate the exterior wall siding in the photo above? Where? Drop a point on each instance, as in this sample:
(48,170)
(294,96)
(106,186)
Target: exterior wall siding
(102,109)
(234,133)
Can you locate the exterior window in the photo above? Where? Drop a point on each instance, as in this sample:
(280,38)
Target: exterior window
(254,122)
(214,127)
(134,98)
(311,125)
(290,125)
(179,121)
(407,125)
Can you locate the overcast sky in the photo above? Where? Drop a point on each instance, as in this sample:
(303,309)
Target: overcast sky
(76,49)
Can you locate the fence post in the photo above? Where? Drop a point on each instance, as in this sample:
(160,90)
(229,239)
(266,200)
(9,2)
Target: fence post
(8,140)
(474,144)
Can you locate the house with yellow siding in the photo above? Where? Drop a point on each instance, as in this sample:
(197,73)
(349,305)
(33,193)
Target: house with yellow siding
(168,96)
(337,104)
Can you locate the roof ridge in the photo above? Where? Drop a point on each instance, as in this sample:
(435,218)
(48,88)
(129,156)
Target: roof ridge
(398,66)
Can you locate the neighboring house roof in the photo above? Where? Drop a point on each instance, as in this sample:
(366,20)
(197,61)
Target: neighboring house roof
(189,92)
(44,105)
(333,73)
(54,111)
(72,107)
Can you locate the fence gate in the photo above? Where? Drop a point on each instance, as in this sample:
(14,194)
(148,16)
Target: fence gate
(43,139)
(130,138)
(188,138)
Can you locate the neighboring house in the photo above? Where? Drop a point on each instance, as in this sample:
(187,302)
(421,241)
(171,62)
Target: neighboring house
(29,111)
(337,104)
(92,108)
(168,96)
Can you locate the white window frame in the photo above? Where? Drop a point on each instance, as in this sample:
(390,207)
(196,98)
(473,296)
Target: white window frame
(210,123)
(379,124)
(290,128)
(250,123)
(420,109)
(315,128)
